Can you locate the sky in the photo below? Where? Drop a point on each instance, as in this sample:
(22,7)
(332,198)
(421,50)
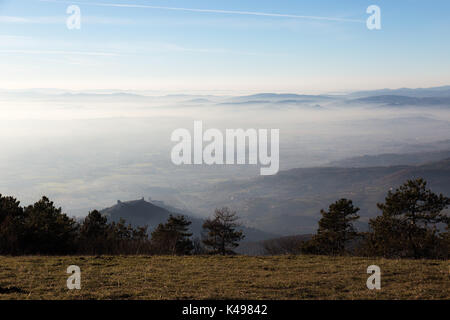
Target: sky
(239,46)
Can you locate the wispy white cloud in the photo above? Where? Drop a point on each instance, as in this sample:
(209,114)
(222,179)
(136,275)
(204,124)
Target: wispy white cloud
(234,12)
(12,44)
(31,20)
(10,19)
(56,52)
(7,40)
(62,20)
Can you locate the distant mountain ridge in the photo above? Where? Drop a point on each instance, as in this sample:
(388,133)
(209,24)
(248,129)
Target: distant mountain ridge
(281,96)
(442,91)
(398,100)
(391,159)
(434,96)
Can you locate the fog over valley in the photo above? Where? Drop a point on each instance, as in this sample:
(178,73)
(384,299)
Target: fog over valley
(87,150)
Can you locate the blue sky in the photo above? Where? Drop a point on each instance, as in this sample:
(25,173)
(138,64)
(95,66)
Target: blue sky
(232,46)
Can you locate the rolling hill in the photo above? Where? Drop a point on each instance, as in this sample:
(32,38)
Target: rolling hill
(391,159)
(395,100)
(290,201)
(443,91)
(141,212)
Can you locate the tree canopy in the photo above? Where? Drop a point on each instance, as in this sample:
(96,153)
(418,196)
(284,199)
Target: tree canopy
(221,235)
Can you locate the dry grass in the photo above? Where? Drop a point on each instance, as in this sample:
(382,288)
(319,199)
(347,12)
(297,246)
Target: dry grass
(212,277)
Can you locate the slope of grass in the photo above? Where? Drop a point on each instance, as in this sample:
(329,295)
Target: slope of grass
(213,277)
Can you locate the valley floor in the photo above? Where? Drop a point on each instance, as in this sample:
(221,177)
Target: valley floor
(213,277)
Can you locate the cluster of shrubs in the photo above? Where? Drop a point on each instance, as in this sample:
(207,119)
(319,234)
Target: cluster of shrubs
(42,228)
(414,223)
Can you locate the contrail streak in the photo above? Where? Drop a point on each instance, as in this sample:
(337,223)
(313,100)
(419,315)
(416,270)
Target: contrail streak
(247,13)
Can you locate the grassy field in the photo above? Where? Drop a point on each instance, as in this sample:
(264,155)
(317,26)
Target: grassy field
(212,277)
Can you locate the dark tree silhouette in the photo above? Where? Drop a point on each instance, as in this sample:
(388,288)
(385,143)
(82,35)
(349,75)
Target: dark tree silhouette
(173,237)
(11,225)
(93,233)
(221,235)
(48,230)
(94,225)
(409,223)
(336,229)
(42,228)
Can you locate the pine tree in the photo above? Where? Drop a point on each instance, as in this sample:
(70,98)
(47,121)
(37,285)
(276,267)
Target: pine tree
(48,230)
(221,235)
(408,225)
(93,233)
(173,237)
(11,226)
(336,228)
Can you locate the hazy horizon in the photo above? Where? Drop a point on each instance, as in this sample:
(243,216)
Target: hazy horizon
(87,151)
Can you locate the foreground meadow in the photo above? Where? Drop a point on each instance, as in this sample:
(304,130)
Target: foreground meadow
(216,277)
